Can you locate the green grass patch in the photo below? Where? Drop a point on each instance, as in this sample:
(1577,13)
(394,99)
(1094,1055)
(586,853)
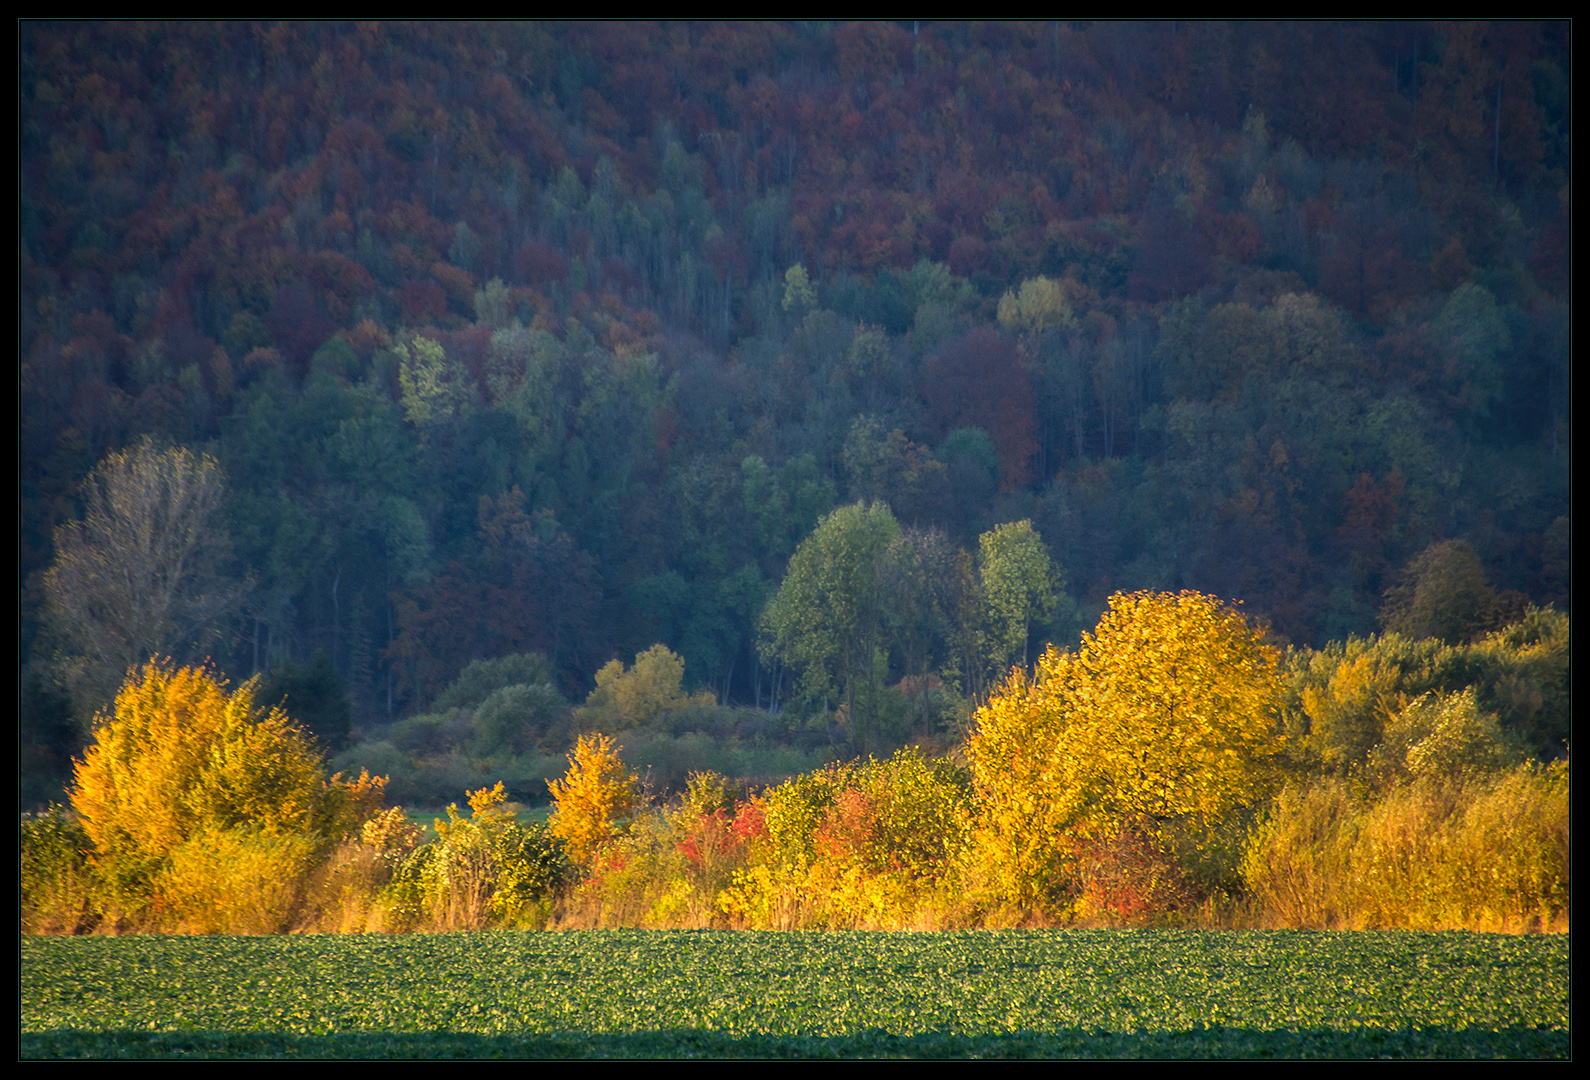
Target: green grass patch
(684,994)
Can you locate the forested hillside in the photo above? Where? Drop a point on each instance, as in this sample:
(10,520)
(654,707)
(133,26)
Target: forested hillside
(485,341)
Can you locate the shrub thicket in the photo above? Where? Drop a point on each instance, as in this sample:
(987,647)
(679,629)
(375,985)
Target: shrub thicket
(204,812)
(1129,783)
(1146,741)
(56,886)
(486,869)
(1479,851)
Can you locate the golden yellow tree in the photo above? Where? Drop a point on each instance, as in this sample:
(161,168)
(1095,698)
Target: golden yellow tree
(1164,716)
(639,695)
(185,780)
(1175,700)
(1026,802)
(591,802)
(177,750)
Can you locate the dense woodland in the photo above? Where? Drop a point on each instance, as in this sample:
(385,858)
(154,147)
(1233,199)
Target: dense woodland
(546,345)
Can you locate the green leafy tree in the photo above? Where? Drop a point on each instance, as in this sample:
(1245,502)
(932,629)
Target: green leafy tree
(482,678)
(784,504)
(314,696)
(1442,594)
(488,866)
(1472,335)
(828,615)
(920,575)
(888,467)
(1021,587)
(511,720)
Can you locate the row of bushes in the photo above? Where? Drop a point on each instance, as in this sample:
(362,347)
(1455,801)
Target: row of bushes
(889,844)
(484,870)
(898,845)
(502,719)
(1480,852)
(1174,770)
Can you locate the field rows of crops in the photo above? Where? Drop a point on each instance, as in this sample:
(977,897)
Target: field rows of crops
(634,993)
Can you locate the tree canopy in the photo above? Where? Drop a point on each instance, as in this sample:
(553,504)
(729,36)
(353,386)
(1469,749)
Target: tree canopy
(1163,720)
(1021,586)
(1205,327)
(827,616)
(184,777)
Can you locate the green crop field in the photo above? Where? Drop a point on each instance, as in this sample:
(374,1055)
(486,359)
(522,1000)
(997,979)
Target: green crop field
(677,994)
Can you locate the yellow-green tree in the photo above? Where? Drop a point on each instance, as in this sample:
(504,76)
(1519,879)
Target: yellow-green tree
(637,696)
(1039,305)
(433,387)
(593,799)
(799,295)
(1162,721)
(1021,587)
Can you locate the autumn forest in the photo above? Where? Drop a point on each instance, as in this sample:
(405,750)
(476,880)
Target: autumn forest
(770,398)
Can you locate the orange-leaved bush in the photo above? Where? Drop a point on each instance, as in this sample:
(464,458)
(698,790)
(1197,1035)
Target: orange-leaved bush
(593,799)
(184,779)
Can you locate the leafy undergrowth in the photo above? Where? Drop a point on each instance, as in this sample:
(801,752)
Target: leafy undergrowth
(686,994)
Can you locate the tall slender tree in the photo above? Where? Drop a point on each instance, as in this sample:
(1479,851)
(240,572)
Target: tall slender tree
(828,616)
(145,573)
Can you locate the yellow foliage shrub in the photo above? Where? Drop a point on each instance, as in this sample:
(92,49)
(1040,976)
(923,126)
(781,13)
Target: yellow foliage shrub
(184,779)
(872,845)
(1023,809)
(1161,724)
(593,799)
(1475,852)
(461,874)
(236,881)
(1348,715)
(772,896)
(57,881)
